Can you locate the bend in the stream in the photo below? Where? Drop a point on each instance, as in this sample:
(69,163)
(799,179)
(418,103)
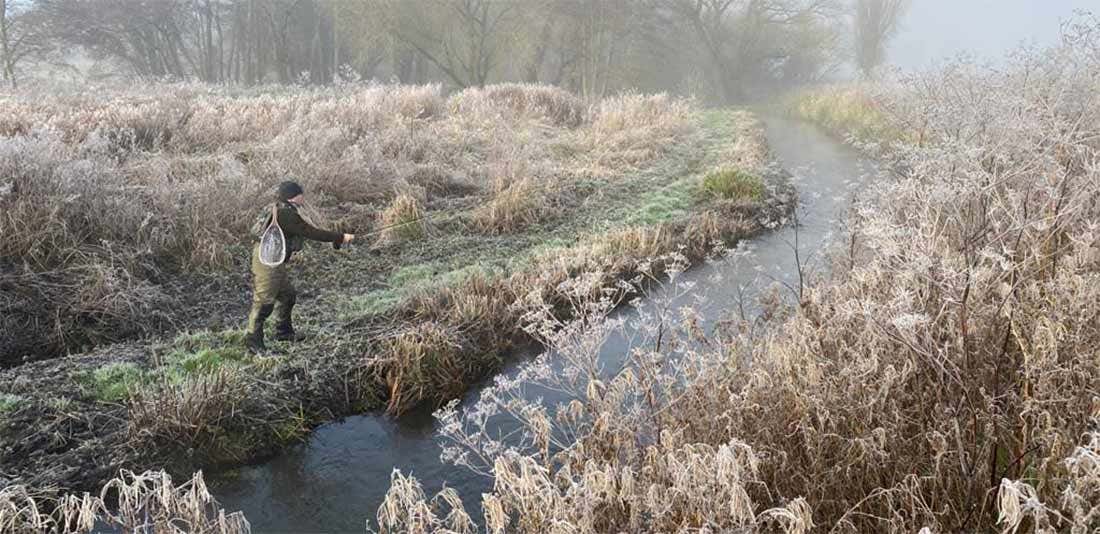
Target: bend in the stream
(336,481)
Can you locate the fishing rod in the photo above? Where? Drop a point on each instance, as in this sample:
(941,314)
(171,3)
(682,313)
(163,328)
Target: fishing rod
(273,242)
(427,218)
(430,219)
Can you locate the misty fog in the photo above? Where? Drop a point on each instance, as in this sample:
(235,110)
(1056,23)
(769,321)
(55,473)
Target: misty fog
(937,29)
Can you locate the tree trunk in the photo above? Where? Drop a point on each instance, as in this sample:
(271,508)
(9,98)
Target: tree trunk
(532,71)
(7,68)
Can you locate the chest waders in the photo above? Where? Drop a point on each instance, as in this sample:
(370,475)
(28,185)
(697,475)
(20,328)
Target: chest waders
(272,290)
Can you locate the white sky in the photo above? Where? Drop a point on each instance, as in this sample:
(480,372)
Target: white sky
(937,29)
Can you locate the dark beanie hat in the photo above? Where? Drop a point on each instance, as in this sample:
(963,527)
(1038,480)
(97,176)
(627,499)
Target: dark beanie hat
(288,190)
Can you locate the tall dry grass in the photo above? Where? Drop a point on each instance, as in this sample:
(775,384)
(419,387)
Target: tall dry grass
(107,197)
(851,111)
(942,378)
(142,503)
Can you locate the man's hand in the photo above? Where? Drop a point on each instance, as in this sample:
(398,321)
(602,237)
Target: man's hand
(344,239)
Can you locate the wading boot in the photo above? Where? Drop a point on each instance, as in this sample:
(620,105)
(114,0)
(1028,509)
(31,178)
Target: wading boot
(254,336)
(286,333)
(254,342)
(284,327)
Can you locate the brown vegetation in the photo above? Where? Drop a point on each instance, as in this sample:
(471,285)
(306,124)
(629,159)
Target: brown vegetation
(115,205)
(146,502)
(199,400)
(942,378)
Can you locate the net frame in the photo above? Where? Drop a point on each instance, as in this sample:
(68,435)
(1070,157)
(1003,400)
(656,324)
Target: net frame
(273,242)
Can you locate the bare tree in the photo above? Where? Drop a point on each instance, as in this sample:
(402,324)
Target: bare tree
(593,47)
(19,37)
(600,33)
(876,21)
(743,39)
(463,39)
(6,68)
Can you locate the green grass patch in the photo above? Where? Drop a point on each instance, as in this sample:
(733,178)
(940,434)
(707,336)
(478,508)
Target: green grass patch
(665,204)
(715,119)
(10,402)
(460,275)
(733,184)
(60,404)
(208,338)
(205,352)
(372,303)
(113,382)
(412,275)
(210,360)
(406,281)
(187,355)
(539,251)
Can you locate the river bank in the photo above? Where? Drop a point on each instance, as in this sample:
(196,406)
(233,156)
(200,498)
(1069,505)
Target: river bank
(331,482)
(940,376)
(445,316)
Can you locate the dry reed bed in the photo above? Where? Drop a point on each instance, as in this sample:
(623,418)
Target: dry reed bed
(943,378)
(109,197)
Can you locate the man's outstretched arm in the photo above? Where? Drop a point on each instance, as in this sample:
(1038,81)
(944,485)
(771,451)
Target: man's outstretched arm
(293,223)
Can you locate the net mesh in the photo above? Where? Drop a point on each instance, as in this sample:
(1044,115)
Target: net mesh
(272,246)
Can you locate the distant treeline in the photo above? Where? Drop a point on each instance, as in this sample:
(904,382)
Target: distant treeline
(718,49)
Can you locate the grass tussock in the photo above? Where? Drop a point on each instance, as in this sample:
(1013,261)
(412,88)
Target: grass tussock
(941,378)
(426,356)
(145,502)
(211,416)
(858,112)
(514,205)
(734,184)
(403,220)
(629,129)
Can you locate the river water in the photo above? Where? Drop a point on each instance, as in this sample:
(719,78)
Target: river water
(335,481)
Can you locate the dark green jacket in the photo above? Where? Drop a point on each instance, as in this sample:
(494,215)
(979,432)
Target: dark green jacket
(295,229)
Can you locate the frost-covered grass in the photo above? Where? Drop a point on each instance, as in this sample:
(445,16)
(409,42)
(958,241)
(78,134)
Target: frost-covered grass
(117,201)
(9,402)
(145,502)
(113,382)
(399,319)
(942,378)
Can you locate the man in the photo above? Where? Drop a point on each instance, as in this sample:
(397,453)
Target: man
(272,291)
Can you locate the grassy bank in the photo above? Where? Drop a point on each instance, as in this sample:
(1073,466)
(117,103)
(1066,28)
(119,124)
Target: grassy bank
(546,192)
(862,113)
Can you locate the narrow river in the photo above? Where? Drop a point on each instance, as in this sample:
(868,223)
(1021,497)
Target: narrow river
(336,481)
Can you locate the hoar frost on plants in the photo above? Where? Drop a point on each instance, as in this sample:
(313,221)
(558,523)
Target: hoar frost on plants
(945,379)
